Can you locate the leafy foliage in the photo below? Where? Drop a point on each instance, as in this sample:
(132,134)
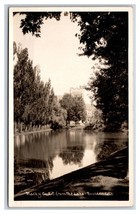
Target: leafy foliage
(33,21)
(74,106)
(105,36)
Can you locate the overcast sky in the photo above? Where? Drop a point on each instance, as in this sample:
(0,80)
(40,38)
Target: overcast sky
(56,52)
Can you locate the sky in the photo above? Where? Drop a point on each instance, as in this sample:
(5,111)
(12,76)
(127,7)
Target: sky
(56,53)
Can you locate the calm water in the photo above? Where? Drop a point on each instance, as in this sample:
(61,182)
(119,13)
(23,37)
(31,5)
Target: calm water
(46,155)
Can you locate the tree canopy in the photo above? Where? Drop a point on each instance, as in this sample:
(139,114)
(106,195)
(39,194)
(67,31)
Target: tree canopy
(74,106)
(32,21)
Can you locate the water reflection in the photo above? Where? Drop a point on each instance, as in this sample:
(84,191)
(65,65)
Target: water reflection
(46,155)
(73,155)
(110,143)
(19,140)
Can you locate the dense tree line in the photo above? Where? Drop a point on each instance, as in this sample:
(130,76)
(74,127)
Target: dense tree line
(35,104)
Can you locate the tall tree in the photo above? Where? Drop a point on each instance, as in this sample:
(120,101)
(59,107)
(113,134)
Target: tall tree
(23,85)
(105,36)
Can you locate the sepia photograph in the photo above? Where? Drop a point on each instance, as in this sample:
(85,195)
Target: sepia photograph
(70,106)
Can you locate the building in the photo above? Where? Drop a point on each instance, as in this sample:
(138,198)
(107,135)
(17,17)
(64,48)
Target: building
(77,91)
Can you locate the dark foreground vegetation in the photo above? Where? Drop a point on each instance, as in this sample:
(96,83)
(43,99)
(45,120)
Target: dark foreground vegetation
(105,180)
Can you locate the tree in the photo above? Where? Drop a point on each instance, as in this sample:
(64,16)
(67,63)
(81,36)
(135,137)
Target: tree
(67,103)
(58,116)
(74,106)
(105,36)
(23,85)
(79,109)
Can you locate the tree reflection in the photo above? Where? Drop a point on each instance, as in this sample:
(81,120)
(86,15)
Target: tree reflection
(106,147)
(73,155)
(31,172)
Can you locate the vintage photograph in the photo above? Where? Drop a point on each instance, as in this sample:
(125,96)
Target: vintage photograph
(70,106)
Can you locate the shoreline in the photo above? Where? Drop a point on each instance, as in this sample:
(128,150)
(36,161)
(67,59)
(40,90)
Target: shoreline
(70,128)
(49,129)
(31,132)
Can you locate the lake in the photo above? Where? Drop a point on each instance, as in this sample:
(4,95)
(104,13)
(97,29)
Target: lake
(46,155)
